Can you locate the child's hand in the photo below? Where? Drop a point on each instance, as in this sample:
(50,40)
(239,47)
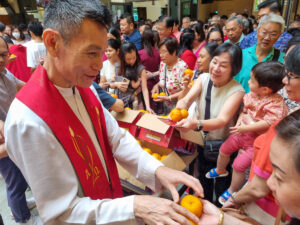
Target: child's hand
(238,130)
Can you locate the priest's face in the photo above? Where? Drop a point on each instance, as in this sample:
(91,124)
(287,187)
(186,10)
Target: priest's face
(78,61)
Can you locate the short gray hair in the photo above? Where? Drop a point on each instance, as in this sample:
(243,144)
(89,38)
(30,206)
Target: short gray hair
(272,18)
(66,16)
(237,19)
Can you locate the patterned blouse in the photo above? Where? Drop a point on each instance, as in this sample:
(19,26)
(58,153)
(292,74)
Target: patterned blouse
(268,108)
(174,77)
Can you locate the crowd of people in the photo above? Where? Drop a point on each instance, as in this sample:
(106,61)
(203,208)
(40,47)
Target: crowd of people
(59,81)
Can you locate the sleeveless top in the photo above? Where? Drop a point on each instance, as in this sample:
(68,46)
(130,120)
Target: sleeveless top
(218,98)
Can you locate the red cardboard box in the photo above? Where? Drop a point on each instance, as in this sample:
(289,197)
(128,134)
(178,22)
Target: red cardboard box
(128,119)
(154,130)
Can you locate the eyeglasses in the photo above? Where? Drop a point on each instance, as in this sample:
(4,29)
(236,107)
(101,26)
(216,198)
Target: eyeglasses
(291,75)
(265,35)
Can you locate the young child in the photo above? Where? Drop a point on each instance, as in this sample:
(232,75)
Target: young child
(129,89)
(262,107)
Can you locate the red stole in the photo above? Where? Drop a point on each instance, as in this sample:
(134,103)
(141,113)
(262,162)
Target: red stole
(42,97)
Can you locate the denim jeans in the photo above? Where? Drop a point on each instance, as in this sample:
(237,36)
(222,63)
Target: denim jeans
(16,186)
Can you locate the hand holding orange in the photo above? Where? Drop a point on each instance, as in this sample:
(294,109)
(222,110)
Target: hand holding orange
(193,204)
(189,72)
(154,96)
(178,114)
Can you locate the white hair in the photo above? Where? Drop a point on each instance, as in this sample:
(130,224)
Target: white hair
(272,18)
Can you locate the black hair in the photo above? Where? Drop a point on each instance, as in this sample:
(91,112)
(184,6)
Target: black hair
(6,42)
(198,28)
(115,44)
(176,21)
(22,36)
(168,20)
(224,17)
(215,29)
(245,15)
(156,38)
(128,48)
(170,43)
(36,28)
(210,48)
(273,5)
(288,130)
(293,41)
(292,60)
(148,41)
(186,42)
(2,27)
(269,74)
(7,39)
(114,31)
(235,54)
(66,16)
(128,17)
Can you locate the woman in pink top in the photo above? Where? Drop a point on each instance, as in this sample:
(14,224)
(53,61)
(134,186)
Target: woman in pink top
(150,59)
(185,49)
(199,40)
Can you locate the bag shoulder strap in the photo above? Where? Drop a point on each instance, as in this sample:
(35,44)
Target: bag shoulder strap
(165,83)
(276,55)
(208,100)
(207,103)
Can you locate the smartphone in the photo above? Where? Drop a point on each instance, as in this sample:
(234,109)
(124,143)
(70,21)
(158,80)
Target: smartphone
(125,80)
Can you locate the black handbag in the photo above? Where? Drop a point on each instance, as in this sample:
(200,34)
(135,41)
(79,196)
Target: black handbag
(211,147)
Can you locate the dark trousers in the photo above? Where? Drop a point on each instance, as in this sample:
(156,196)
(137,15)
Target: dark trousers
(211,186)
(16,186)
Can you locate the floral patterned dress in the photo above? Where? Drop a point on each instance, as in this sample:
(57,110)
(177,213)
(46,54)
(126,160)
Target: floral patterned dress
(171,81)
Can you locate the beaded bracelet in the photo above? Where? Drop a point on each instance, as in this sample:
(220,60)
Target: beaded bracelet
(221,217)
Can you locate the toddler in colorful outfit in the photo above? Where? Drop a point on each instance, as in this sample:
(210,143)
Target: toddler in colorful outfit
(262,107)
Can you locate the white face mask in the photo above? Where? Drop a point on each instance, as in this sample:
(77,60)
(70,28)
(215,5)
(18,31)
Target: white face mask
(16,35)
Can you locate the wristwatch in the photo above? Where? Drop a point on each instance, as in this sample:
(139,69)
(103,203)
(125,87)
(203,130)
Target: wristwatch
(199,125)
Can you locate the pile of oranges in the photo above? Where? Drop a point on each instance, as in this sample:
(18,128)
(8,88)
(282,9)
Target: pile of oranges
(154,154)
(178,114)
(155,95)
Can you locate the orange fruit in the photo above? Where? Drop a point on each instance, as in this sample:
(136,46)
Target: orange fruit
(162,94)
(154,96)
(156,155)
(162,157)
(193,204)
(175,115)
(114,95)
(138,141)
(189,72)
(148,150)
(184,113)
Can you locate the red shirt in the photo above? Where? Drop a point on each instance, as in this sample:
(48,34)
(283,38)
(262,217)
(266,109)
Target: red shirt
(189,58)
(19,66)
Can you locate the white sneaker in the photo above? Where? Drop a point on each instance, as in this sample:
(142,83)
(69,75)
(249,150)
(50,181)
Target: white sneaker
(31,203)
(34,220)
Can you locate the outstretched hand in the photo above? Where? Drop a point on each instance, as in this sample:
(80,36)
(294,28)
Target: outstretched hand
(153,210)
(170,178)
